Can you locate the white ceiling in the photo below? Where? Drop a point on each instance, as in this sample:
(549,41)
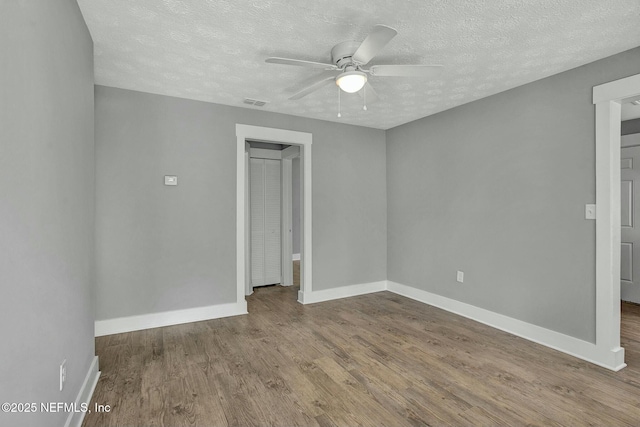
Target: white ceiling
(214,50)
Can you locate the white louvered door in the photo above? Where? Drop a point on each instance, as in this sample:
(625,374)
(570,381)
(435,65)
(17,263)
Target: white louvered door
(266,252)
(272,221)
(256,178)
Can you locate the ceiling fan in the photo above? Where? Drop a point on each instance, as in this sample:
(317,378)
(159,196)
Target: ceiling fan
(347,60)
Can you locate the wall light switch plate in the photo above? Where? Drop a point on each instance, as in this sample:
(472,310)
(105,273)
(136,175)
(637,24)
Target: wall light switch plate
(460,276)
(170,180)
(590,212)
(63,373)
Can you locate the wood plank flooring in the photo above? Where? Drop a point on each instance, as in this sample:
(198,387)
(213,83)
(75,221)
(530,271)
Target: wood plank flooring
(374,360)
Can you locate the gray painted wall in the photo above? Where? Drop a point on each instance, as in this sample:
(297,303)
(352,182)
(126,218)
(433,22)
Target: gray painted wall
(630,127)
(296,202)
(47,204)
(497,188)
(165,248)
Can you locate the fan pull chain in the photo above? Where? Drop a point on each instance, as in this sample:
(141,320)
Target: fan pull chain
(339,115)
(364,98)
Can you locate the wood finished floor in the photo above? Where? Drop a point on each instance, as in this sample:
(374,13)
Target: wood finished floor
(374,360)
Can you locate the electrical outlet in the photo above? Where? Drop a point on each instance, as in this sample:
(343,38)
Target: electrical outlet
(460,276)
(63,373)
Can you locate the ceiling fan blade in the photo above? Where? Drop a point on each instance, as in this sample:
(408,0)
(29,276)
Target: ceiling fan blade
(311,80)
(312,88)
(368,93)
(405,70)
(300,63)
(375,41)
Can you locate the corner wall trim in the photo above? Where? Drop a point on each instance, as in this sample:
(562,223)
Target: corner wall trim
(341,292)
(168,318)
(84,395)
(613,360)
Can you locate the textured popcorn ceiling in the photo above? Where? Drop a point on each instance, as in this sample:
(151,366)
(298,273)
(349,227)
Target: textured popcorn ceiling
(214,50)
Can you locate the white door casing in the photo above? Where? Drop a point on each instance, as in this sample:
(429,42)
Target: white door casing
(278,136)
(287,156)
(248,289)
(607,98)
(287,241)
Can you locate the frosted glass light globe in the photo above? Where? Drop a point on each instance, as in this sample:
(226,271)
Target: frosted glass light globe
(351,81)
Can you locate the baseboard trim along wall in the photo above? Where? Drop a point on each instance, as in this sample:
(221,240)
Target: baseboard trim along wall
(168,318)
(296,257)
(84,395)
(610,359)
(342,292)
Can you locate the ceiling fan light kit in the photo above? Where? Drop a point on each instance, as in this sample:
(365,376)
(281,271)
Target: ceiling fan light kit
(347,60)
(351,81)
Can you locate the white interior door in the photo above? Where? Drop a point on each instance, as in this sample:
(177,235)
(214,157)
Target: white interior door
(256,191)
(272,222)
(630,241)
(265,202)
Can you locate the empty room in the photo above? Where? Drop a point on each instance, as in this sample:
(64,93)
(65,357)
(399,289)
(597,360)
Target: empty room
(272,213)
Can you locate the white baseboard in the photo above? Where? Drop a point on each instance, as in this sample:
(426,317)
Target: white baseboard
(608,358)
(296,257)
(84,395)
(342,292)
(168,318)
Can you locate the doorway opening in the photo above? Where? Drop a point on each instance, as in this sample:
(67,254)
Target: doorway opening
(630,232)
(273,210)
(298,145)
(630,202)
(608,99)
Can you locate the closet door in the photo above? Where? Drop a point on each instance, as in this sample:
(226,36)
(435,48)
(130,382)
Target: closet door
(272,222)
(256,178)
(266,246)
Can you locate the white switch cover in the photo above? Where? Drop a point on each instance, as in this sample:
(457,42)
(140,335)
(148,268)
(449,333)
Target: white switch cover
(170,180)
(590,212)
(63,373)
(460,276)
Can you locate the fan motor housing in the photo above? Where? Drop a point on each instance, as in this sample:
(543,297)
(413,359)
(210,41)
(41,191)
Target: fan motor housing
(342,52)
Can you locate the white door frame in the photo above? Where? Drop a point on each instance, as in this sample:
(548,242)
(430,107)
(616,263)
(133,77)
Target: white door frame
(277,136)
(247,224)
(607,98)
